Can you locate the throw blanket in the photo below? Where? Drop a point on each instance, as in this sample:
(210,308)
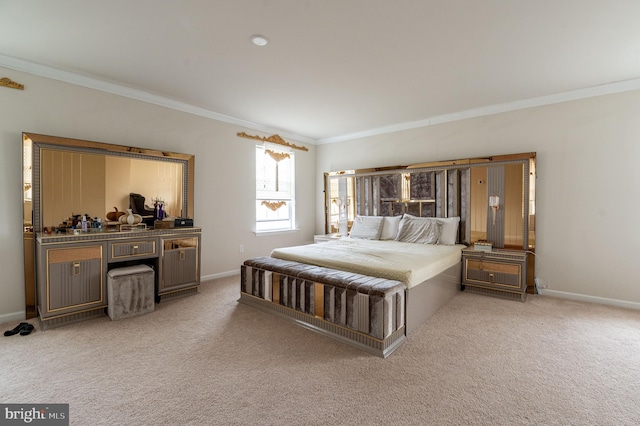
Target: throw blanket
(407,262)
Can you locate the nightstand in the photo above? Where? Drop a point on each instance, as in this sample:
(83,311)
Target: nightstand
(499,272)
(326,237)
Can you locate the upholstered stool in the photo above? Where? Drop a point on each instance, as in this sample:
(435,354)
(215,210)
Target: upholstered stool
(130,291)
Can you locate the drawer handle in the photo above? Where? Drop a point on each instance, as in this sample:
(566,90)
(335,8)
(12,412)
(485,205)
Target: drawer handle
(182,254)
(76,268)
(134,249)
(491,277)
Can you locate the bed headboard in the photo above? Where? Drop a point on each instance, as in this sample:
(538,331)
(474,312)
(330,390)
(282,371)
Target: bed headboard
(493,196)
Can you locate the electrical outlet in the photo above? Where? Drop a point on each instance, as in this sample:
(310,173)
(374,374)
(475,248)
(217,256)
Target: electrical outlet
(541,283)
(241,248)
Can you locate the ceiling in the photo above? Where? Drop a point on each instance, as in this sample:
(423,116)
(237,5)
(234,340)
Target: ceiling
(333,69)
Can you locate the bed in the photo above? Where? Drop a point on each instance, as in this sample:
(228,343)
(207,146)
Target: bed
(370,289)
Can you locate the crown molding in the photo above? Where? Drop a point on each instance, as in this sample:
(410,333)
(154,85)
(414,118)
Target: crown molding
(605,89)
(116,89)
(140,95)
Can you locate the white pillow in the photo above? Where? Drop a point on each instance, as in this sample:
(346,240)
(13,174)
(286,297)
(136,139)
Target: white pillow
(449,228)
(390,226)
(421,230)
(449,234)
(366,227)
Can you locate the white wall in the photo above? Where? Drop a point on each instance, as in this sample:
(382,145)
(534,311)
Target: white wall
(588,185)
(224,173)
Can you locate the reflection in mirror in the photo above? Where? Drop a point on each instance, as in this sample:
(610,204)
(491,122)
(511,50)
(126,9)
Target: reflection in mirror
(506,183)
(479,197)
(27,185)
(81,183)
(513,205)
(65,177)
(341,206)
(532,203)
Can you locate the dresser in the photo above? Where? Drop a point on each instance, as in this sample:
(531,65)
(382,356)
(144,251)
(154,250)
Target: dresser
(72,269)
(499,272)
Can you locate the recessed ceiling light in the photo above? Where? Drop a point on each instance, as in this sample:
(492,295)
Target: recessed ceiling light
(259,40)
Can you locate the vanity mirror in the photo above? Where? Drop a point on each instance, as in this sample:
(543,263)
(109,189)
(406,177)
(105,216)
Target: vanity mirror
(63,177)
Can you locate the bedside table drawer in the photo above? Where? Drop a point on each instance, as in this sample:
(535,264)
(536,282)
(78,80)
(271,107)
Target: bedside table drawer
(499,274)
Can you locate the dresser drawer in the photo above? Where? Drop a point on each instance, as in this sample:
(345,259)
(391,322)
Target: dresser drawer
(505,275)
(135,249)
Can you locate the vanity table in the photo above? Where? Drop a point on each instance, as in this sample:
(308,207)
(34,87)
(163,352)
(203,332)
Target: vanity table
(64,177)
(72,269)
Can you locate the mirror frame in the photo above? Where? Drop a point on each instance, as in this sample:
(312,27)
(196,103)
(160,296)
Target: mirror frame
(446,203)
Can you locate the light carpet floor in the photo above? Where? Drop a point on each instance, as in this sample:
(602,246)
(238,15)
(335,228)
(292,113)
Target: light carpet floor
(207,360)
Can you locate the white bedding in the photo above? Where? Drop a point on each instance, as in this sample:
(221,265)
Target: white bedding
(407,262)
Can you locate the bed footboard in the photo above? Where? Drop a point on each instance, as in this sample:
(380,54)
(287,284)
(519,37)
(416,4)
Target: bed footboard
(363,311)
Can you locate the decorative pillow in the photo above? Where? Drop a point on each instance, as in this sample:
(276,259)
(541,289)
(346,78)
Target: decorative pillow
(421,230)
(449,234)
(366,227)
(390,226)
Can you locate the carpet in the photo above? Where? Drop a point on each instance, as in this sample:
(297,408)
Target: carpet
(207,360)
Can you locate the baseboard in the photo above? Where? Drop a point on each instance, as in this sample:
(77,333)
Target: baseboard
(220,275)
(13,317)
(592,299)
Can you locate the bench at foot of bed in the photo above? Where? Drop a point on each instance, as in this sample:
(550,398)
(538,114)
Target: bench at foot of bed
(363,311)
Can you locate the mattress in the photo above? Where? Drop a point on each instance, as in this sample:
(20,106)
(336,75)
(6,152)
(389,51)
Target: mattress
(407,262)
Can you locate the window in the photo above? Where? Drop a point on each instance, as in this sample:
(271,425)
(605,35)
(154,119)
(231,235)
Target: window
(275,189)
